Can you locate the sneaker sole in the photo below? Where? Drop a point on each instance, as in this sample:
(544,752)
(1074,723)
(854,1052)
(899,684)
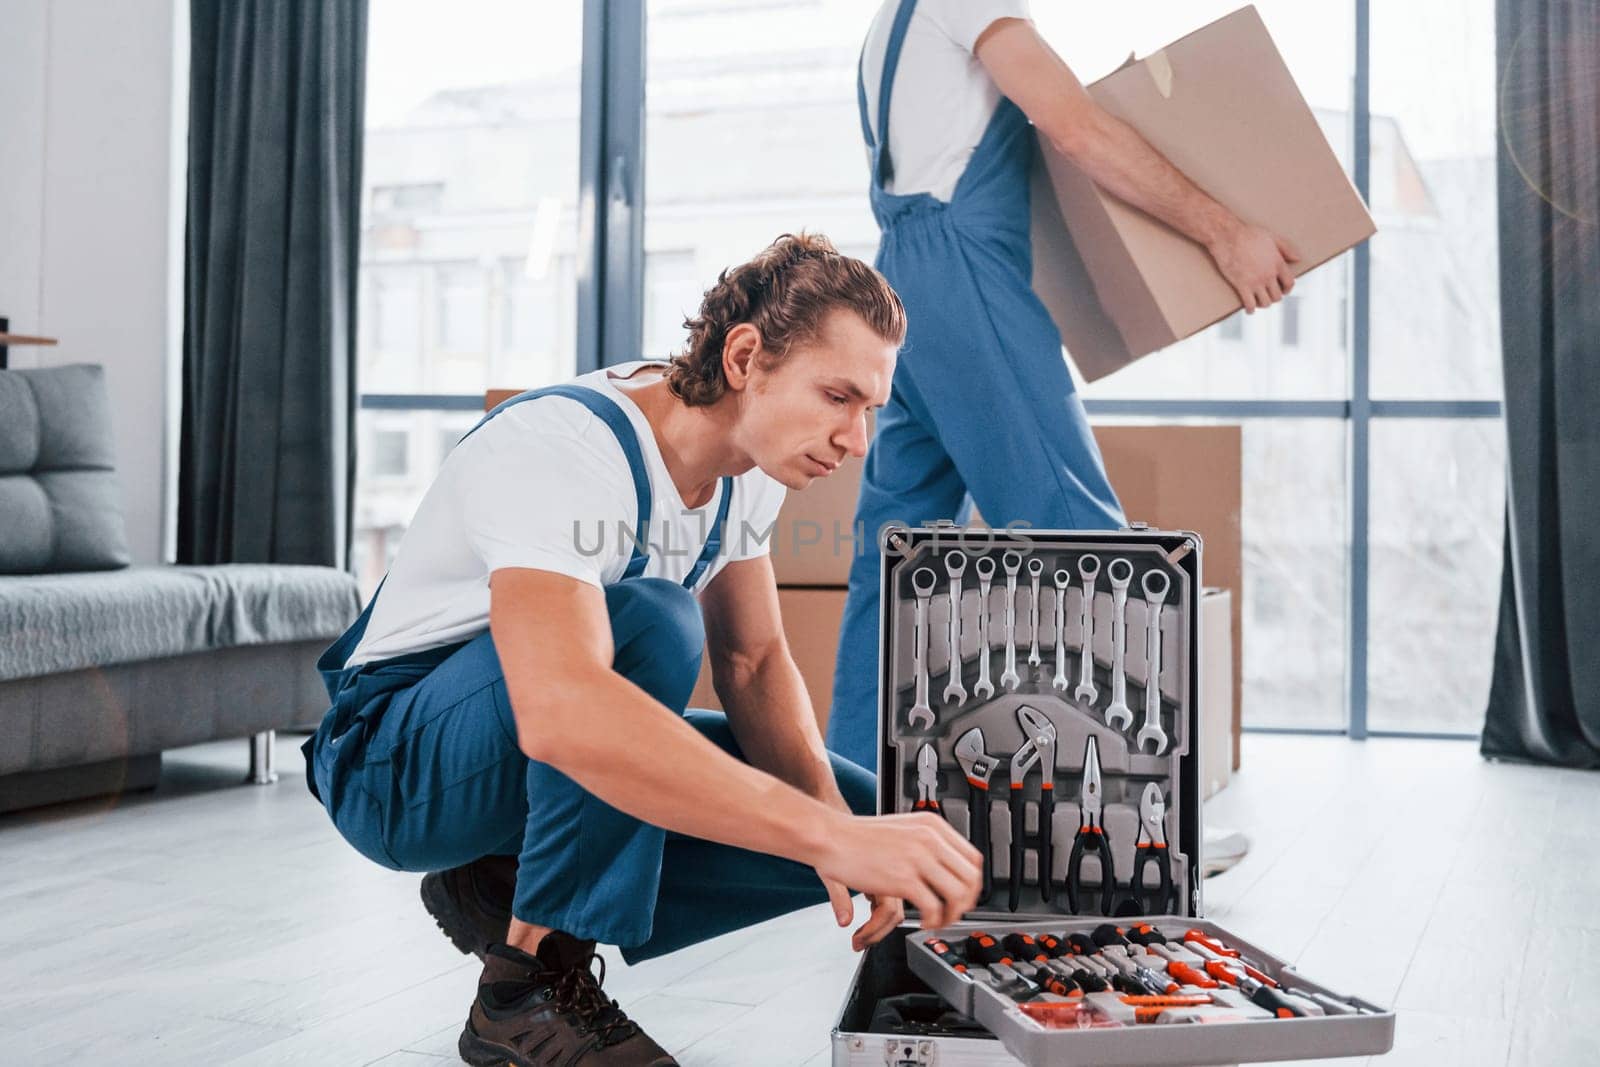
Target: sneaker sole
(480,1053)
(453,924)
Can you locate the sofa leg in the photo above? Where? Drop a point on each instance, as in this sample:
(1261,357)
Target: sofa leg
(262,771)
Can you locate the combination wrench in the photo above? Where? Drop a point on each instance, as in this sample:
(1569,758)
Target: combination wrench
(1155,585)
(1118,715)
(1062,679)
(1035,569)
(984,566)
(955,565)
(922,582)
(1009,679)
(1088,573)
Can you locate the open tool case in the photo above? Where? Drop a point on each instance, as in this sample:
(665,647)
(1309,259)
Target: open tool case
(1076,756)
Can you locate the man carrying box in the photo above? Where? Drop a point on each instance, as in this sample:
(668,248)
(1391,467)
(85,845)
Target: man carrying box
(983,409)
(509,710)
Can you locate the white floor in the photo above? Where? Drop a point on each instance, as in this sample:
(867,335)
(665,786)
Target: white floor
(213,923)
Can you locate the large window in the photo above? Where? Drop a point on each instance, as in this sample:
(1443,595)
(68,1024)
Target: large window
(751,132)
(521,204)
(469,233)
(1372,537)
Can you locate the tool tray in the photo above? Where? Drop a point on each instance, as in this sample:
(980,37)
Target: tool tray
(1081,698)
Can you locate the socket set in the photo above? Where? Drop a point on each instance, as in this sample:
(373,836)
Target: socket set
(1013,667)
(1039,690)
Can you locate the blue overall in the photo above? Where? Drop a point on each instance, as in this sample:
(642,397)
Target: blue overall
(418,766)
(982,409)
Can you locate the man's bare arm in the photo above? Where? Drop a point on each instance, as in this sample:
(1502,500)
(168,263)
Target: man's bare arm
(1027,70)
(572,711)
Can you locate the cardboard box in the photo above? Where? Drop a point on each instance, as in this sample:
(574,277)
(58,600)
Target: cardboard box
(811,622)
(1219,740)
(1189,478)
(1222,106)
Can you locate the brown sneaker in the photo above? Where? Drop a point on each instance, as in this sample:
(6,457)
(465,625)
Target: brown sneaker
(547,1010)
(472,903)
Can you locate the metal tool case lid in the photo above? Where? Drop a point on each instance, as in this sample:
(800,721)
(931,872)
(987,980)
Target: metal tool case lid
(1176,769)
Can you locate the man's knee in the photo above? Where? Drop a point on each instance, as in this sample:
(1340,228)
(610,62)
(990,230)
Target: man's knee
(657,629)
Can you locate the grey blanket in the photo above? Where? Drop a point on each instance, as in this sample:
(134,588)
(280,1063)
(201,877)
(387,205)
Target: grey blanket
(61,622)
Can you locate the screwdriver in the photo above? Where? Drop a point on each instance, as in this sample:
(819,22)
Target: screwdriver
(1145,934)
(1235,963)
(1053,946)
(1081,945)
(946,955)
(1200,937)
(1053,982)
(983,948)
(1180,964)
(1024,947)
(1270,999)
(1107,934)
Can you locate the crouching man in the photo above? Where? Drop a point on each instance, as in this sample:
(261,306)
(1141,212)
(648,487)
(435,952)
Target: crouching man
(509,712)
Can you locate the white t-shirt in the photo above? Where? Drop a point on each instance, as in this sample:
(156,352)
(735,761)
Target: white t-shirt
(943,97)
(545,485)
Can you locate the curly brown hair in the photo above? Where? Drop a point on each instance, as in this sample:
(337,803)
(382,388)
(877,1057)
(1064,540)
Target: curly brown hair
(785,292)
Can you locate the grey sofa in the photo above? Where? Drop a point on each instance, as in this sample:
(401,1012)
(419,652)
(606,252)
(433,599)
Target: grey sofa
(102,665)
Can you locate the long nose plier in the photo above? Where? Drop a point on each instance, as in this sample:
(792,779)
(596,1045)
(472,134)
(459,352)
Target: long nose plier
(1091,836)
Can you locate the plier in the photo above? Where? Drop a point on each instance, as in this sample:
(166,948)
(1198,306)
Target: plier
(1152,848)
(978,766)
(1038,748)
(1091,835)
(927,781)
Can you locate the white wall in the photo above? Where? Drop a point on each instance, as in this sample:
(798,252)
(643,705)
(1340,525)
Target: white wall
(93,117)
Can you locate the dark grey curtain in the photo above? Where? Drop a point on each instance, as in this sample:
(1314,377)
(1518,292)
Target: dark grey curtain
(266,460)
(1544,701)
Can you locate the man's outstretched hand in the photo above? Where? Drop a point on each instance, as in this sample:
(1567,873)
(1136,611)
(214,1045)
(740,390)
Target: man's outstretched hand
(887,913)
(1256,262)
(918,858)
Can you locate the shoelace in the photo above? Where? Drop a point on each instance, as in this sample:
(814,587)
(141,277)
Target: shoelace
(578,991)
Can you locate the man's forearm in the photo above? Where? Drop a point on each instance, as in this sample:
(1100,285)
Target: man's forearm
(636,755)
(770,713)
(1124,164)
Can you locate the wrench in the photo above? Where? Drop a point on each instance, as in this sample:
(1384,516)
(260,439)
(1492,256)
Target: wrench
(1118,715)
(1035,569)
(921,715)
(1061,680)
(1155,585)
(1089,572)
(985,568)
(955,564)
(1012,562)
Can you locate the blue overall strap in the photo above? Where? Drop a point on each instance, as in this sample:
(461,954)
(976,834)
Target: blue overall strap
(606,410)
(714,540)
(882,165)
(613,416)
(330,665)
